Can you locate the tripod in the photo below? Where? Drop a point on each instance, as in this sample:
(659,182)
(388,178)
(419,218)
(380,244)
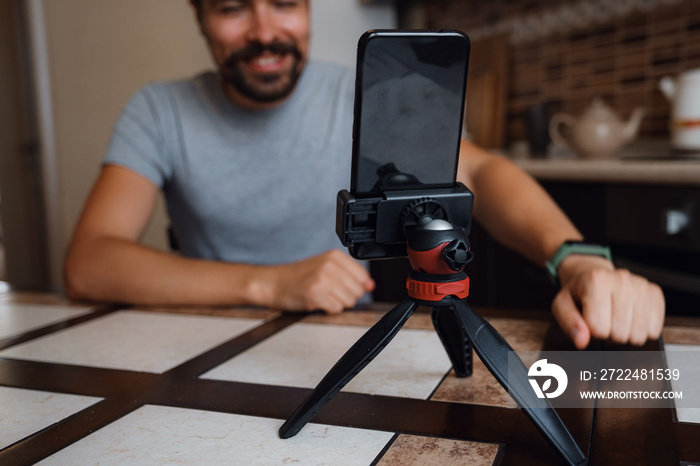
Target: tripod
(438,253)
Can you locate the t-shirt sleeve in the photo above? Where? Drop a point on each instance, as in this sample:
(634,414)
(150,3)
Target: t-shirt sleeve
(140,137)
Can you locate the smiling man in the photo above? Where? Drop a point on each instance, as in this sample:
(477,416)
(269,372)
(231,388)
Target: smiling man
(250,159)
(233,152)
(260,47)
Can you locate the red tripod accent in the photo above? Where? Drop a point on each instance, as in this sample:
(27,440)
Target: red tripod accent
(438,268)
(427,291)
(438,284)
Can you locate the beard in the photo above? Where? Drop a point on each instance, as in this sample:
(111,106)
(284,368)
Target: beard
(262,87)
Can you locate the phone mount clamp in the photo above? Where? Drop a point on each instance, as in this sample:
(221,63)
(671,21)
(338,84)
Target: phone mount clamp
(438,253)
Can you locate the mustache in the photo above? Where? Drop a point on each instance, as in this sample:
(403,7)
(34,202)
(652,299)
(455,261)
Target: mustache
(255,49)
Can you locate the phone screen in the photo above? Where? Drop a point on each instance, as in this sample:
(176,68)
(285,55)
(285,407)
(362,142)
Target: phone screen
(409,101)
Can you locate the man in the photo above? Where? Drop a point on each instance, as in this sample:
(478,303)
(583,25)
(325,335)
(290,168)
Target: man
(250,160)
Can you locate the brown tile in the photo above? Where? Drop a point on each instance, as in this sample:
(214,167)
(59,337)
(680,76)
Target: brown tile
(431,451)
(362,318)
(692,46)
(669,13)
(693,61)
(525,342)
(243,312)
(580,55)
(673,38)
(420,320)
(693,34)
(660,26)
(603,66)
(531,328)
(692,7)
(526,55)
(36,298)
(632,82)
(664,68)
(682,335)
(603,52)
(636,19)
(604,37)
(552,48)
(603,80)
(527,77)
(481,387)
(633,62)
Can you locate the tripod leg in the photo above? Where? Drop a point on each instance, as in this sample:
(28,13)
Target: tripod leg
(453,339)
(493,351)
(352,362)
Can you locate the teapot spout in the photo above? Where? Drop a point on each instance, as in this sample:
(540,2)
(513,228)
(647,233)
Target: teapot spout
(631,128)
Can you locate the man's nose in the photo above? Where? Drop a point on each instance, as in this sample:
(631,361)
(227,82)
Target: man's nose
(262,27)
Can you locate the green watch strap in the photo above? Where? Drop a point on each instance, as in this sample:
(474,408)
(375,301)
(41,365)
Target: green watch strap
(574,247)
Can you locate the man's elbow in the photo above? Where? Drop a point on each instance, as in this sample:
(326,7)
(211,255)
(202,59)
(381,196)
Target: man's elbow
(77,277)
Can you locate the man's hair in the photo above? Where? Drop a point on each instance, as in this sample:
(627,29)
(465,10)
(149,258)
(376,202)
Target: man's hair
(197,4)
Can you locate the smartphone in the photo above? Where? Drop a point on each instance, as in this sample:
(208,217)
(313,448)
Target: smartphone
(409,104)
(409,99)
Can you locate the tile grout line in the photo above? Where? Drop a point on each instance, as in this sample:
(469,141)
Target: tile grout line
(95,313)
(47,441)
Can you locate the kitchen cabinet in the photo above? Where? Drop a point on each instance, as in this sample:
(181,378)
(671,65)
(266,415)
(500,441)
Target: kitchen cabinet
(653,230)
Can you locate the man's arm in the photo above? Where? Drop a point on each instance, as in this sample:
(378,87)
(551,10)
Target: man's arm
(596,299)
(106,263)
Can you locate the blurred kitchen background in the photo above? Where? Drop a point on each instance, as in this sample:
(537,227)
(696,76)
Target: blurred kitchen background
(74,63)
(627,166)
(564,53)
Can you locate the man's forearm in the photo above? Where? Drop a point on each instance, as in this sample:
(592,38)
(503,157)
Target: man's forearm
(112,269)
(517,211)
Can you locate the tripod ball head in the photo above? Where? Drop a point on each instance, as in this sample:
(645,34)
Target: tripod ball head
(436,247)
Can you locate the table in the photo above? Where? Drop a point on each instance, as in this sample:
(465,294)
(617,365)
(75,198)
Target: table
(117,385)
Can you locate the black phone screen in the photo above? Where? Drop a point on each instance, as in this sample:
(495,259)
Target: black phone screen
(409,102)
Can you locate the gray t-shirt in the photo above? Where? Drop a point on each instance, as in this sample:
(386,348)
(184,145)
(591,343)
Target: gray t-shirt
(244,186)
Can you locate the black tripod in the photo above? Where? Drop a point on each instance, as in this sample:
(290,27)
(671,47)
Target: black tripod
(438,253)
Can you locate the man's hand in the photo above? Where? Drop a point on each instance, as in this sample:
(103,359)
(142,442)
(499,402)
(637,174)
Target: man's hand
(331,281)
(596,300)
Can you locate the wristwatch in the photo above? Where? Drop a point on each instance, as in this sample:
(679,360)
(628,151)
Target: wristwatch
(574,247)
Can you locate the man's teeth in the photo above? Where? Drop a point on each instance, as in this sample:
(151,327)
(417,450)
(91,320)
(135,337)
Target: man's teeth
(266,61)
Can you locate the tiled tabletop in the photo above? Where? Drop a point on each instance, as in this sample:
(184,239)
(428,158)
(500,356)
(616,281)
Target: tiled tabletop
(133,340)
(107,385)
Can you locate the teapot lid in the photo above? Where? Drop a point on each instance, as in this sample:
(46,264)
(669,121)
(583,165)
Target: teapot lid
(598,105)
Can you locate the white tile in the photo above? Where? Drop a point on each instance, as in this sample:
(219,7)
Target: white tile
(164,435)
(134,340)
(24,412)
(17,318)
(686,358)
(410,366)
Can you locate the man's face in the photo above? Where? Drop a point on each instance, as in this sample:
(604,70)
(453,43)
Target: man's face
(260,46)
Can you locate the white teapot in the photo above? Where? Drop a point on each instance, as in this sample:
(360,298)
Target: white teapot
(684,95)
(598,133)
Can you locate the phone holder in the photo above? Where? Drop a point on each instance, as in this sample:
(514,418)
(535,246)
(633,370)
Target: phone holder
(375,225)
(438,253)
